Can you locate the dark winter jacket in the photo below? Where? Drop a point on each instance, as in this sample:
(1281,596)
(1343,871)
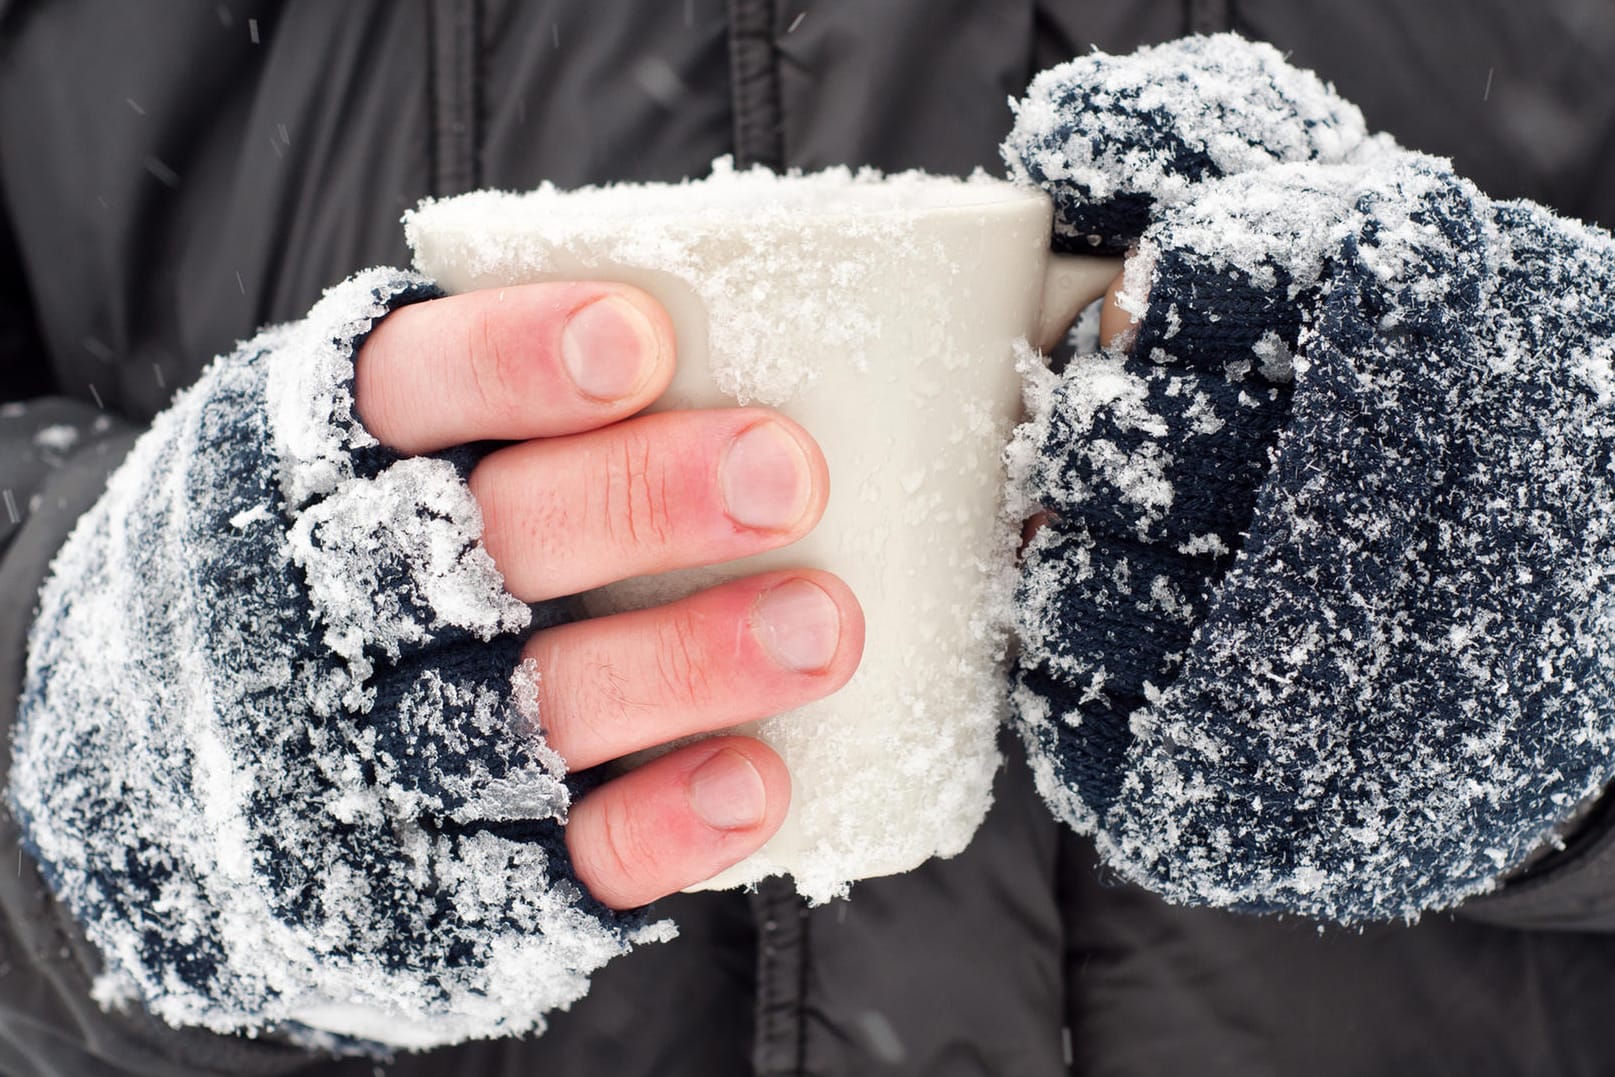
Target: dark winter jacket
(171,183)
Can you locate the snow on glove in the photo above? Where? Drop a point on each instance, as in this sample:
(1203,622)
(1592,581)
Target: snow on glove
(274,751)
(1323,618)
(1115,140)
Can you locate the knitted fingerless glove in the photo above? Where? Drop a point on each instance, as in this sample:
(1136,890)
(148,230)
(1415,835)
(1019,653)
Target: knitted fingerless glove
(275,752)
(1322,619)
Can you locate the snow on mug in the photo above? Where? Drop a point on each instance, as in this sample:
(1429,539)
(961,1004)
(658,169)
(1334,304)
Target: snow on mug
(884,314)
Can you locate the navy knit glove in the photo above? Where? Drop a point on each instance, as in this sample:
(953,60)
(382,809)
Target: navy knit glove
(275,752)
(1323,617)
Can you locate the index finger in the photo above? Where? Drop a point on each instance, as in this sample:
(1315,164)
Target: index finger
(509,364)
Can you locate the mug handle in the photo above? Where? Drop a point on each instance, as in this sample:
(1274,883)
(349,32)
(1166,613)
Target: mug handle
(1070,283)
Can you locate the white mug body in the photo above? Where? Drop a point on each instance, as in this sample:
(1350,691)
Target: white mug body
(883,314)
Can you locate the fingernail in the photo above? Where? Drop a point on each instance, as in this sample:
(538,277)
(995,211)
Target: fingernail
(727,793)
(799,625)
(764,478)
(608,348)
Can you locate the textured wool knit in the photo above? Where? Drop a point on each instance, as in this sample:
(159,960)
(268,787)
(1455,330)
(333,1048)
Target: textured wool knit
(1322,619)
(277,750)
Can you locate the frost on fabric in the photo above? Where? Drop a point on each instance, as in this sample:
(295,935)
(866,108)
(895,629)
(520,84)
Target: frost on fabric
(1400,679)
(389,560)
(1117,138)
(58,438)
(275,751)
(315,429)
(1101,385)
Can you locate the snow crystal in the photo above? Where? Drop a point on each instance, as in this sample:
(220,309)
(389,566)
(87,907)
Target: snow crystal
(1102,385)
(315,426)
(1210,542)
(57,438)
(1274,359)
(377,551)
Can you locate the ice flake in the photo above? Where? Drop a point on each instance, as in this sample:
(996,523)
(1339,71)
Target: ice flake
(414,522)
(1276,363)
(259,513)
(58,438)
(311,402)
(1210,542)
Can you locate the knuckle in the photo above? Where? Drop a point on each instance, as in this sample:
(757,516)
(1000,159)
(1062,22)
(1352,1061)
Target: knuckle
(638,509)
(577,713)
(382,375)
(549,523)
(553,706)
(681,660)
(498,371)
(528,526)
(623,853)
(603,710)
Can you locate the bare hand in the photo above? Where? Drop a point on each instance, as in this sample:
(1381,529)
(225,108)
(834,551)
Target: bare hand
(591,493)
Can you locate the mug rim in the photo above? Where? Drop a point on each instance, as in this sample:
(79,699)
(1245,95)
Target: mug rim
(722,200)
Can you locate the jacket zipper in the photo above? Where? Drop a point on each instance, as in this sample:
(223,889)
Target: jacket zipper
(779,1049)
(452,43)
(754,85)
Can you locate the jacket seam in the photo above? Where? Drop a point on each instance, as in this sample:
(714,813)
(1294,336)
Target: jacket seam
(1210,16)
(804,957)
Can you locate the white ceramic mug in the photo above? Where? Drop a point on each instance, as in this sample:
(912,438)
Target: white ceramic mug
(882,313)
